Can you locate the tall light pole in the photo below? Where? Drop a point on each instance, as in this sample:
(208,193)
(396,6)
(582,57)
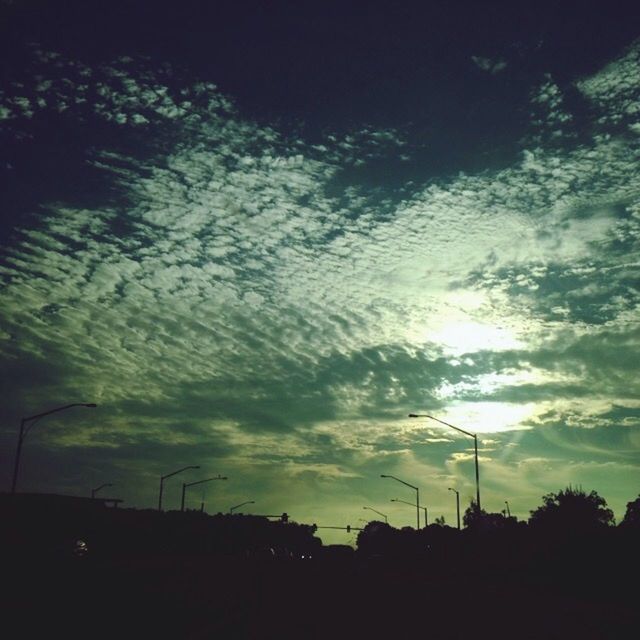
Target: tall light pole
(457,504)
(475,444)
(231,510)
(508,510)
(173,473)
(102,486)
(426,513)
(25,427)
(190,484)
(379,513)
(417,496)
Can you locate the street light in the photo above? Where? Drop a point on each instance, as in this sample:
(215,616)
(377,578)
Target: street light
(417,496)
(426,513)
(190,484)
(241,505)
(508,510)
(173,473)
(379,513)
(475,443)
(457,504)
(24,431)
(94,491)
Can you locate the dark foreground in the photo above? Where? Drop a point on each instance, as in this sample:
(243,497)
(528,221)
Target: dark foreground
(206,597)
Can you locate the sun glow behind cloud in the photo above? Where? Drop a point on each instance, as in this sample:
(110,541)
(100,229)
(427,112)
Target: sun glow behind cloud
(489,417)
(458,338)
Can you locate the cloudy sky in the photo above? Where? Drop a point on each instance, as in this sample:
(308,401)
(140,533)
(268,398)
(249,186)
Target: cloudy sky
(259,235)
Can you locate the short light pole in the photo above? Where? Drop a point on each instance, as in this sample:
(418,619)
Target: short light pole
(173,473)
(190,484)
(379,513)
(457,504)
(508,510)
(417,496)
(102,486)
(466,433)
(232,509)
(426,513)
(26,424)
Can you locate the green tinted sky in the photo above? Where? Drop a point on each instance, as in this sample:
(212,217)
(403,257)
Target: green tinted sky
(258,237)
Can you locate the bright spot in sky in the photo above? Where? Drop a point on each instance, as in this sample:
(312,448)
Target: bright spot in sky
(488,417)
(470,336)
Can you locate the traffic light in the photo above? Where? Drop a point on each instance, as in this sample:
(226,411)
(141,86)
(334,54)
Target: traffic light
(348,528)
(284,517)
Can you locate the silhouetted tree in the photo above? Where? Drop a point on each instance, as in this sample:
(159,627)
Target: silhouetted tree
(632,515)
(571,510)
(473,516)
(377,538)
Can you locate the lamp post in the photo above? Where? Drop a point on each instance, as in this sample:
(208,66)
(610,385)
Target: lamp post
(475,443)
(173,473)
(508,510)
(457,504)
(25,428)
(417,496)
(94,491)
(190,484)
(379,513)
(241,505)
(426,513)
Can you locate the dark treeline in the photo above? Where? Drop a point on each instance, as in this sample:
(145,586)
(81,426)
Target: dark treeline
(570,527)
(43,527)
(89,570)
(67,527)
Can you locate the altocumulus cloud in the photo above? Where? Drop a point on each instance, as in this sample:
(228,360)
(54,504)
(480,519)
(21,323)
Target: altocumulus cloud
(230,295)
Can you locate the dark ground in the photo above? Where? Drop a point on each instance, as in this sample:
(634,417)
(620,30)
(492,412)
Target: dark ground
(206,597)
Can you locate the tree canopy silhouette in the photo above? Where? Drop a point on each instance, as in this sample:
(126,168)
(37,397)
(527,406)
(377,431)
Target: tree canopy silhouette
(476,519)
(632,515)
(572,510)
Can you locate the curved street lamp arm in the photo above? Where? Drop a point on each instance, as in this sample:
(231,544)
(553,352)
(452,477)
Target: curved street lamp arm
(375,511)
(24,431)
(398,479)
(180,471)
(37,417)
(241,505)
(467,433)
(424,415)
(190,484)
(66,406)
(404,501)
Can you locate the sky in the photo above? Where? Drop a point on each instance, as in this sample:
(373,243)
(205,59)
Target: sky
(259,235)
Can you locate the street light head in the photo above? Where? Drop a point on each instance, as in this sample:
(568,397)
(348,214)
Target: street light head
(383,476)
(414,415)
(92,405)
